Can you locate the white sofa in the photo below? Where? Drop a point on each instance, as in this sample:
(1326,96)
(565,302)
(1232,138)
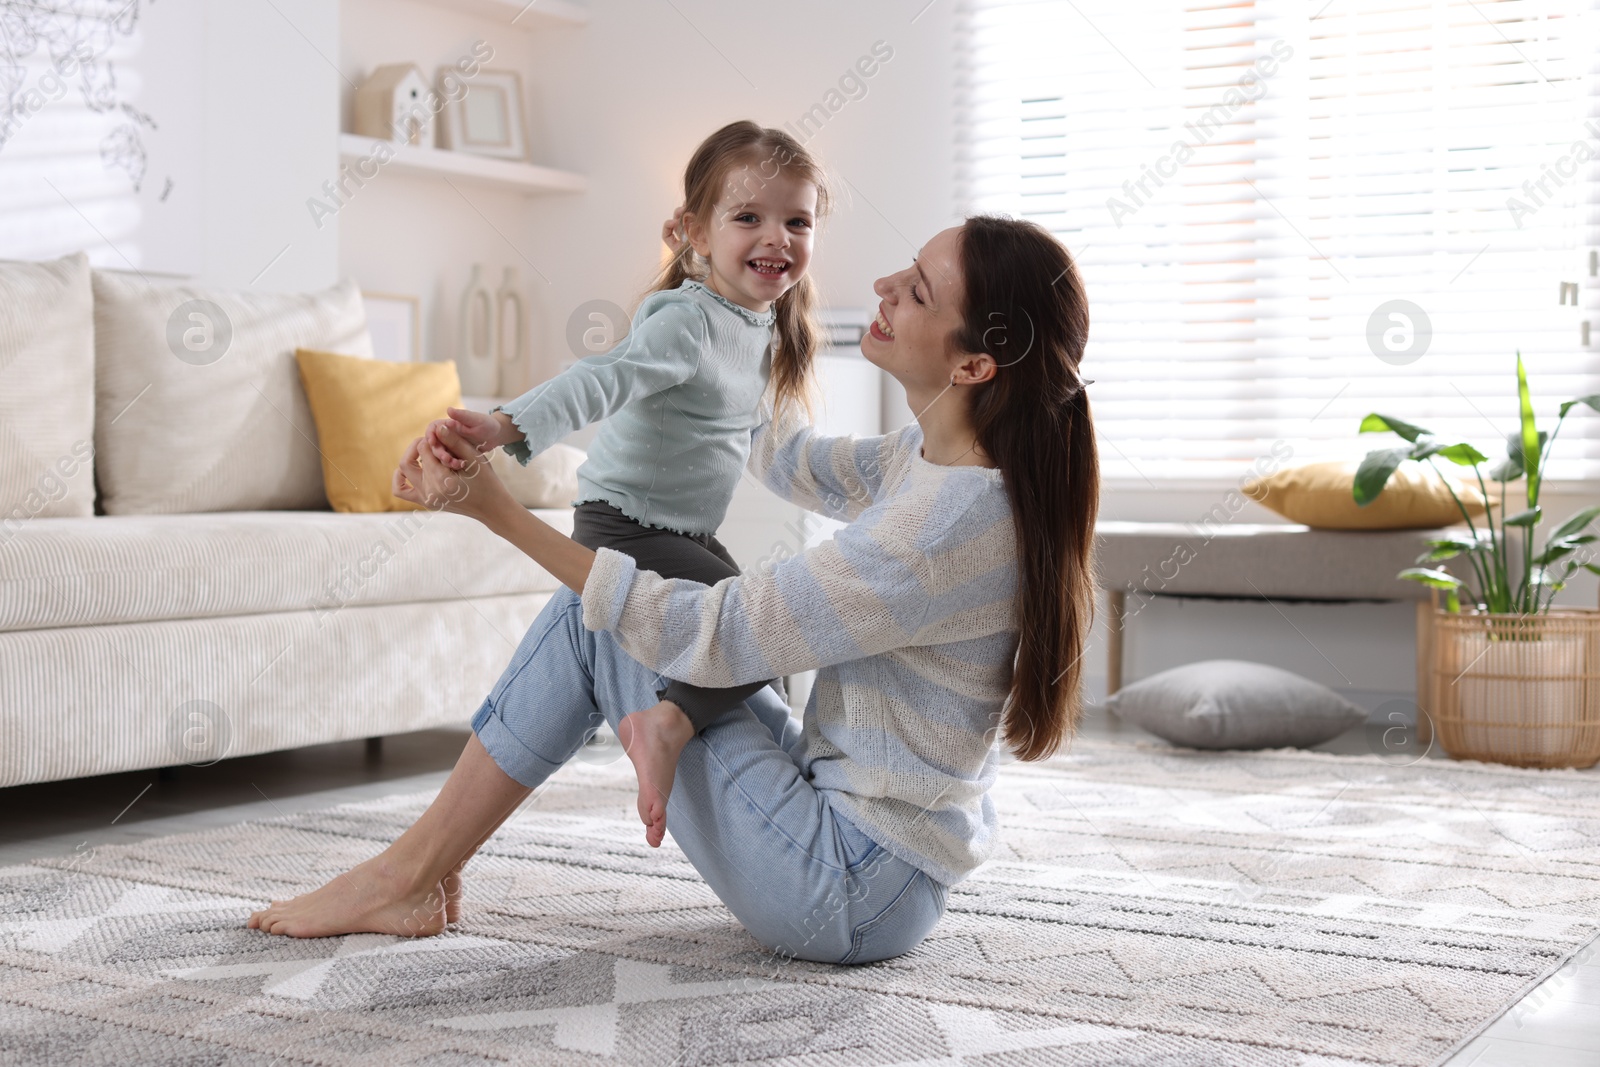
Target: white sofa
(166,637)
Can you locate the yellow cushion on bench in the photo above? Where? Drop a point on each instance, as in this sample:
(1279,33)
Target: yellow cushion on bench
(367,413)
(1319,495)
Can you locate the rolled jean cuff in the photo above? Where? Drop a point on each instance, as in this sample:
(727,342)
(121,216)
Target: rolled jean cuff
(509,754)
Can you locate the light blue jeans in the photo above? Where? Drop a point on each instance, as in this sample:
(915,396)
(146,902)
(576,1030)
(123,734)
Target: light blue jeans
(804,881)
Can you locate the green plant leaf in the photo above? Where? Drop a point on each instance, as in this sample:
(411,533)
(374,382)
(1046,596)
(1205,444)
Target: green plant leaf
(1507,470)
(1527,518)
(1435,578)
(1375,423)
(1424,446)
(1592,401)
(1575,524)
(1514,444)
(1373,474)
(1448,548)
(1556,549)
(1531,442)
(1461,454)
(1591,568)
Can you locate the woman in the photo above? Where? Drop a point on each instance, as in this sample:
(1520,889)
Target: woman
(836,842)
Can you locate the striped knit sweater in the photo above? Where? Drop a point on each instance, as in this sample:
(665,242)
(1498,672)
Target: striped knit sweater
(907,614)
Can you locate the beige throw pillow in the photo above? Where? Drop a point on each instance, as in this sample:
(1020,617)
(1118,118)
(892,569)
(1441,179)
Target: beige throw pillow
(46,391)
(1319,495)
(199,404)
(550,480)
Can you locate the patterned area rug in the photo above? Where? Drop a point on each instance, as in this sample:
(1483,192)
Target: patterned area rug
(1152,907)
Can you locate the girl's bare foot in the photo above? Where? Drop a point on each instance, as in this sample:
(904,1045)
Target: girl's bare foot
(653,739)
(377,897)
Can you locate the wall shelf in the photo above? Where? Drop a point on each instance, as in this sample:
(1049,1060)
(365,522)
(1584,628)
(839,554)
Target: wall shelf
(521,14)
(482,171)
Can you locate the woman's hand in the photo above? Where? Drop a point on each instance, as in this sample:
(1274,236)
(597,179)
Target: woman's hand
(485,431)
(673,234)
(470,488)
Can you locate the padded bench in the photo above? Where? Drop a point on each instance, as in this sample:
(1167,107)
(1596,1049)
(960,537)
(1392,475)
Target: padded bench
(1258,561)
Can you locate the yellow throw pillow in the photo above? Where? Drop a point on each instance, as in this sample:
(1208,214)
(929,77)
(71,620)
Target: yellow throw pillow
(367,412)
(1319,495)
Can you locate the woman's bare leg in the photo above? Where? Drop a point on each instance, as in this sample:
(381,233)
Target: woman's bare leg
(407,888)
(453,883)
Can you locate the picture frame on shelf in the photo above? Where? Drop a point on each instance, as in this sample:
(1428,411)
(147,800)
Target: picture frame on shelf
(394,322)
(487,119)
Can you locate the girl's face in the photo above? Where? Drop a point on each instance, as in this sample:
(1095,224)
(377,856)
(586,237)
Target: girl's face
(758,238)
(921,309)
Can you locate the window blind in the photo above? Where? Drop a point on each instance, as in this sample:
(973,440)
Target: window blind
(1250,187)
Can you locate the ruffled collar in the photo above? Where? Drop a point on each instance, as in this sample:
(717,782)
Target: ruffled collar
(755,318)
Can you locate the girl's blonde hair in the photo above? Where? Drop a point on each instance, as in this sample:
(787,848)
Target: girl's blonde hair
(744,154)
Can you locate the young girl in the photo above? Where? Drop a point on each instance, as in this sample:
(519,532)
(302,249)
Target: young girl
(729,317)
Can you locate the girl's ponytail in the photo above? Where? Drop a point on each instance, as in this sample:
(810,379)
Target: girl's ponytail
(794,353)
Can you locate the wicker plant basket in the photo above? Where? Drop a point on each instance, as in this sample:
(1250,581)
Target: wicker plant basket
(1518,689)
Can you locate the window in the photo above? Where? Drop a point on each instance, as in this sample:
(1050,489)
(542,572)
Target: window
(1277,209)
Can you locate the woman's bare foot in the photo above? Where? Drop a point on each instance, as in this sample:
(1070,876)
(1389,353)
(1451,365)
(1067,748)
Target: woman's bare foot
(377,897)
(451,888)
(653,739)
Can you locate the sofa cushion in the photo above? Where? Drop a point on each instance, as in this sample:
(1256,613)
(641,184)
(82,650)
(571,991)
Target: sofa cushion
(1225,703)
(46,391)
(111,569)
(199,403)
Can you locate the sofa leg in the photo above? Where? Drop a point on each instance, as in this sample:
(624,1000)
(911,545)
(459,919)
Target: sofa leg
(1116,600)
(374,749)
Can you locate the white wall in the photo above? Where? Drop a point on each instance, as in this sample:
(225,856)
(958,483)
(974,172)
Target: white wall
(245,104)
(271,131)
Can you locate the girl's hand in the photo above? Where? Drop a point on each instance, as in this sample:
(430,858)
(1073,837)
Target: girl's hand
(471,489)
(484,431)
(672,232)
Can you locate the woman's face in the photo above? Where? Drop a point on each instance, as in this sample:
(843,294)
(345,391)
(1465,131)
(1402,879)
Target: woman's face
(921,308)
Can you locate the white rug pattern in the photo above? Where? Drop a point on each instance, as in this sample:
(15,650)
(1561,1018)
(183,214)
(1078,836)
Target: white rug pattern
(1150,907)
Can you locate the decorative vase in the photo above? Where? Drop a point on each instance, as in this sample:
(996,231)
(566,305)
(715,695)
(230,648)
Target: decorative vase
(511,327)
(475,348)
(1518,689)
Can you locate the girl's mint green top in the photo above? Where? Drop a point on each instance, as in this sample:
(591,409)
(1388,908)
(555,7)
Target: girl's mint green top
(679,395)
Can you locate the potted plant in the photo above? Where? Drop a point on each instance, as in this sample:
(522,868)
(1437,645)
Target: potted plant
(1511,676)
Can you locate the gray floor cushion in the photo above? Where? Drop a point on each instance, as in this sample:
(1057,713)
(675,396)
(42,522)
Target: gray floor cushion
(1227,703)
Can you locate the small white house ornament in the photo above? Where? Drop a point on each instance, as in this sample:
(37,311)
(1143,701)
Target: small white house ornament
(393,105)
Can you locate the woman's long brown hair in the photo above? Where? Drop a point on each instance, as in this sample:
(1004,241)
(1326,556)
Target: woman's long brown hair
(742,155)
(1026,307)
